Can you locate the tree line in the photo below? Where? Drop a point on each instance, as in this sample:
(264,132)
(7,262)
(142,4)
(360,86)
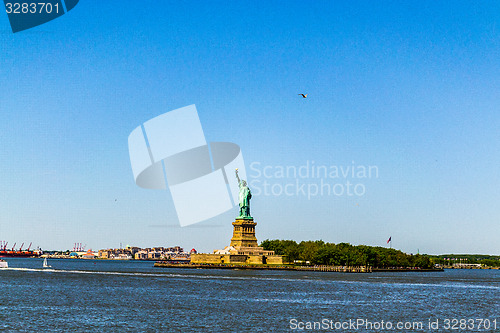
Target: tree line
(483,259)
(344,254)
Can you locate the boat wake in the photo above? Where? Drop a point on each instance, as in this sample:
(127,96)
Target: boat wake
(262,278)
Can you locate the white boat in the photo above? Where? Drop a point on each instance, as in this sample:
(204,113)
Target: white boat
(3,264)
(45,264)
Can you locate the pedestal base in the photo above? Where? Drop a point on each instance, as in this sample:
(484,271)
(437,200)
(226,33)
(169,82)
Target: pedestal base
(244,233)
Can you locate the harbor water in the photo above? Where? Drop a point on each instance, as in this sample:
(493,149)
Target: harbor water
(133,296)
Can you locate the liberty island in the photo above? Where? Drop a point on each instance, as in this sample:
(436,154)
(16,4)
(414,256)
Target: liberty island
(244,251)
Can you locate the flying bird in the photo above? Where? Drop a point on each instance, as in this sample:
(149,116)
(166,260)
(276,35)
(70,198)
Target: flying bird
(303,95)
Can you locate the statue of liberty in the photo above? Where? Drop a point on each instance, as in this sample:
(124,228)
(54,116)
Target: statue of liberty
(245,196)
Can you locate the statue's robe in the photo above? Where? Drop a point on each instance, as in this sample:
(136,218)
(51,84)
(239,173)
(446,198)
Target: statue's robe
(245,196)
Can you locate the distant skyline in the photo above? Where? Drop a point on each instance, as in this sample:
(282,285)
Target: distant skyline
(411,90)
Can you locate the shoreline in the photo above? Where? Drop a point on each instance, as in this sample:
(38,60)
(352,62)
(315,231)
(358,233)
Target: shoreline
(344,269)
(266,267)
(338,269)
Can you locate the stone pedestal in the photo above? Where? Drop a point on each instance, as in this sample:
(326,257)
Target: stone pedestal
(244,248)
(244,233)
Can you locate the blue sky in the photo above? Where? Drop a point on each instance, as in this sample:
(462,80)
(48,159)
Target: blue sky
(412,88)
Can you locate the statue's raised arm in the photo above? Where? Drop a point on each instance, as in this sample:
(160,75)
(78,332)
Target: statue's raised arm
(237,177)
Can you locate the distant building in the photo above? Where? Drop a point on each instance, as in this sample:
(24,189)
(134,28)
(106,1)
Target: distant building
(123,256)
(226,250)
(89,255)
(141,255)
(150,253)
(155,255)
